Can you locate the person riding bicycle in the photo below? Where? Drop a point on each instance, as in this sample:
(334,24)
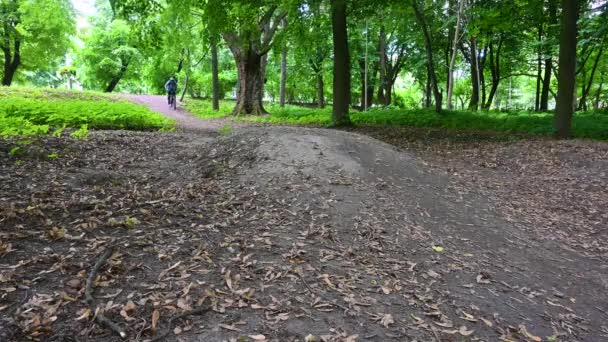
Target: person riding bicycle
(171,88)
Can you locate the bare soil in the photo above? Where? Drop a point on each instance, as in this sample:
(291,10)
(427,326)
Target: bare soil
(277,233)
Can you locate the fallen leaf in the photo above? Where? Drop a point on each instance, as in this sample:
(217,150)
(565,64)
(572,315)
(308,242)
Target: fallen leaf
(438,249)
(155,318)
(464,332)
(524,331)
(257,337)
(177,330)
(387,320)
(488,323)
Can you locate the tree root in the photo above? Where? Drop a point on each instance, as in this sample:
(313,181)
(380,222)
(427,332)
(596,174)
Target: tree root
(100,318)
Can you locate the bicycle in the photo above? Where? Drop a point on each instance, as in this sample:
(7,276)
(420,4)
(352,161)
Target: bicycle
(172,101)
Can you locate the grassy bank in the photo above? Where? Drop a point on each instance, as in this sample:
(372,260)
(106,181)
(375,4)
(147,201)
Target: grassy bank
(591,125)
(40,111)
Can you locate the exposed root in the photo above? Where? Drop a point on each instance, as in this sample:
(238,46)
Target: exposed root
(100,318)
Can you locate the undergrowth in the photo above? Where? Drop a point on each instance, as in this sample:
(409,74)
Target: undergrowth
(592,125)
(26,112)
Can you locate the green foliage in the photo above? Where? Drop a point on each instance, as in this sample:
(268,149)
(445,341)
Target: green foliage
(204,109)
(592,125)
(30,115)
(43,27)
(109,54)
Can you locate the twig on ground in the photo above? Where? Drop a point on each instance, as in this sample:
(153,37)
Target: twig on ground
(320,295)
(194,312)
(100,318)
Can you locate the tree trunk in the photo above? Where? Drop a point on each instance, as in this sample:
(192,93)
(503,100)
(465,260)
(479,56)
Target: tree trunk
(317,67)
(382,59)
(114,82)
(539,68)
(474,102)
(181,99)
(429,55)
(587,89)
(215,77)
(481,63)
(251,82)
(544,97)
(320,90)
(567,69)
(340,115)
(362,75)
(495,70)
(11,64)
(283,77)
(596,104)
(427,89)
(388,95)
(454,53)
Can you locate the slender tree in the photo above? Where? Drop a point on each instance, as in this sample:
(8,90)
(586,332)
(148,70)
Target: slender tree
(341,101)
(428,42)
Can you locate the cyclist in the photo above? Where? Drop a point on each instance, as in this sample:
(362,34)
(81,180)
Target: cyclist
(171,88)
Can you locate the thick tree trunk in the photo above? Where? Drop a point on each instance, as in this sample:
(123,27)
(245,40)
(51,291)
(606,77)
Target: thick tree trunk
(567,69)
(382,59)
(474,102)
(454,51)
(388,96)
(283,90)
(429,55)
(251,83)
(11,64)
(215,81)
(340,115)
(544,97)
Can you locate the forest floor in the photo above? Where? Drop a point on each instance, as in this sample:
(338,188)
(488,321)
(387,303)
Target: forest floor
(282,234)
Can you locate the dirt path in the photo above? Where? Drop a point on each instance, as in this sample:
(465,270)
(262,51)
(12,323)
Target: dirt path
(185,121)
(283,232)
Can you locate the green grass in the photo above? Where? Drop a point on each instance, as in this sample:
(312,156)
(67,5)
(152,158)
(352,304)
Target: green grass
(204,109)
(592,125)
(40,111)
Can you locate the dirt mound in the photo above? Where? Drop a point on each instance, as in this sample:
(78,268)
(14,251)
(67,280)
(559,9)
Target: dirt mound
(272,234)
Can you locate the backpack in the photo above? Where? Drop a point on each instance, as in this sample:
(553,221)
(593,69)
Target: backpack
(172,86)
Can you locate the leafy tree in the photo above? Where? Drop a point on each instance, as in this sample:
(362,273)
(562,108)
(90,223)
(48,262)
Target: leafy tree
(109,55)
(34,34)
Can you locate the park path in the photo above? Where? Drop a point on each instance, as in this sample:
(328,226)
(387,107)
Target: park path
(185,121)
